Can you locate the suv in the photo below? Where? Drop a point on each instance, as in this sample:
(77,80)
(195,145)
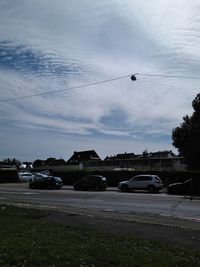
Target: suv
(151,183)
(91,182)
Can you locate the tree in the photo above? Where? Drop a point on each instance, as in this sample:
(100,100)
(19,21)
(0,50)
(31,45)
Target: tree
(50,161)
(145,153)
(38,163)
(186,137)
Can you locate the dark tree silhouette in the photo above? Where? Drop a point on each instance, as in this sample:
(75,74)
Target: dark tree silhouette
(186,137)
(38,163)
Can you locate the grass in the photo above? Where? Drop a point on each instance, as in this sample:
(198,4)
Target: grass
(27,238)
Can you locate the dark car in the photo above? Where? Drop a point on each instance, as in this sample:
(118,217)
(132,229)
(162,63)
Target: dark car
(91,182)
(189,187)
(48,182)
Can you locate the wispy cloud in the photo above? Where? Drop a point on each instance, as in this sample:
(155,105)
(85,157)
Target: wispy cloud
(56,46)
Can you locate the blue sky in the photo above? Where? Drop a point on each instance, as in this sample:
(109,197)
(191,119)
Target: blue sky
(58,45)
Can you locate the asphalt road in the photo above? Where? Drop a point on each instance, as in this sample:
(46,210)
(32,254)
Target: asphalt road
(157,208)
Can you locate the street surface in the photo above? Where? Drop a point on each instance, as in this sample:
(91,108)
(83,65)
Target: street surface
(161,206)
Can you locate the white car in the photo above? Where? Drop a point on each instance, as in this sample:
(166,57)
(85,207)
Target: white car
(25,176)
(151,183)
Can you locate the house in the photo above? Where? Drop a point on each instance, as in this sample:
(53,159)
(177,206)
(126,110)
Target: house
(82,156)
(121,156)
(161,154)
(154,161)
(55,162)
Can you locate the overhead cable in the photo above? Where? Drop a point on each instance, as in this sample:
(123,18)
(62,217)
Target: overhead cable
(99,82)
(63,90)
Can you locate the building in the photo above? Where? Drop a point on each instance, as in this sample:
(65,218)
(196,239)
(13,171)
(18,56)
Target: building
(154,161)
(83,156)
(121,156)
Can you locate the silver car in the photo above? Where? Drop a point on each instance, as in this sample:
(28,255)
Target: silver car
(151,183)
(25,177)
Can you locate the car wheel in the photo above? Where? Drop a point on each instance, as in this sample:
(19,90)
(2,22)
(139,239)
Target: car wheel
(151,189)
(125,188)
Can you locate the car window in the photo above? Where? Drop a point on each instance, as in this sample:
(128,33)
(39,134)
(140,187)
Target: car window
(135,179)
(90,178)
(46,179)
(93,178)
(85,179)
(146,178)
(141,178)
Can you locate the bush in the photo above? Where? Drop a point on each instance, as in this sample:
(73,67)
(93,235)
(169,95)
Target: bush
(8,175)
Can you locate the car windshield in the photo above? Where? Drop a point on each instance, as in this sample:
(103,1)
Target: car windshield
(188,181)
(58,179)
(41,175)
(158,179)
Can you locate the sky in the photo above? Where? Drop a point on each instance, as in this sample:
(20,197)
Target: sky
(75,48)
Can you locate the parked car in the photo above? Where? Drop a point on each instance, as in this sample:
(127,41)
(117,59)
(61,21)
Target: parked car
(151,183)
(47,182)
(91,182)
(25,177)
(189,187)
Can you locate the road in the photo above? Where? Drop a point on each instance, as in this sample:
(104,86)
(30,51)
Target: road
(158,207)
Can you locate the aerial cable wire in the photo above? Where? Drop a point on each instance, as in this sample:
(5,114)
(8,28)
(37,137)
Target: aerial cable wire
(168,76)
(132,76)
(155,34)
(64,90)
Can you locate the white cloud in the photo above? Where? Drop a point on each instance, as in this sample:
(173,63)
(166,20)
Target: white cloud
(65,44)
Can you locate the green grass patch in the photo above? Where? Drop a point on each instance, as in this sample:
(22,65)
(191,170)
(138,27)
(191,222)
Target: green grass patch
(28,239)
